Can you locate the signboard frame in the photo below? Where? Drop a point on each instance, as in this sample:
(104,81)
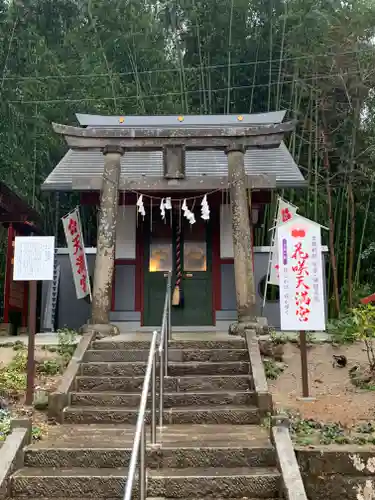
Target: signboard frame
(302,298)
(33,258)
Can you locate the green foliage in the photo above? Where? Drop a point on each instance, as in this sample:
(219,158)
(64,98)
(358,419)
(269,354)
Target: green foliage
(306,432)
(343,330)
(67,343)
(357,324)
(36,433)
(364,319)
(50,367)
(13,376)
(277,337)
(4,424)
(5,429)
(18,345)
(272,369)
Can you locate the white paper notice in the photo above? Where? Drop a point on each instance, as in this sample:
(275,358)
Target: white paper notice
(34,258)
(302,304)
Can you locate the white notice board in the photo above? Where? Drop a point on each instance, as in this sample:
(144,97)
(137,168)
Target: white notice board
(33,258)
(302,305)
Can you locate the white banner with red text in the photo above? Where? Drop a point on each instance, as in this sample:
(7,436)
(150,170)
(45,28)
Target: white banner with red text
(74,239)
(301,275)
(285,212)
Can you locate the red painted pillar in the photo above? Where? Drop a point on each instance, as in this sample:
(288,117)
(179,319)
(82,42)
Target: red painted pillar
(8,272)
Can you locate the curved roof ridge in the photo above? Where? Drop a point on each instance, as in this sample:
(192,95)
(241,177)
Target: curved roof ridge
(272,117)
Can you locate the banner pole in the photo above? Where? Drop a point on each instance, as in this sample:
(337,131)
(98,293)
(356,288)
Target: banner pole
(270,256)
(304,366)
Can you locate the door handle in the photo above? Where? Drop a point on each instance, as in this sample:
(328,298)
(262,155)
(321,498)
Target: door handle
(188,275)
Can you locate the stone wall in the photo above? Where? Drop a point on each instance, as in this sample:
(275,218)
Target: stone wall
(338,473)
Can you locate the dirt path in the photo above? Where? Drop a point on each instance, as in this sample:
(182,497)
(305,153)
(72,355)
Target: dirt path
(337,400)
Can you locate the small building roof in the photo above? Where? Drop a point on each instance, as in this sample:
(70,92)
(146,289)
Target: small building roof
(15,210)
(81,164)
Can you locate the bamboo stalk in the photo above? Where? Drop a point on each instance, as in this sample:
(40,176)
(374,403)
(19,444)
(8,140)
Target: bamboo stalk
(352,204)
(356,279)
(352,244)
(346,239)
(339,217)
(331,228)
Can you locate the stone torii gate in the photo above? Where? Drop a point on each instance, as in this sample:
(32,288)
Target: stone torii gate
(174,141)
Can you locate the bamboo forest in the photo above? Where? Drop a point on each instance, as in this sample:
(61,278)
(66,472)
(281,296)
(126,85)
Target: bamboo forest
(313,58)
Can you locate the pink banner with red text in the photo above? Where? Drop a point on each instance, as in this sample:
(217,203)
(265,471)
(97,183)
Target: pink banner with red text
(76,248)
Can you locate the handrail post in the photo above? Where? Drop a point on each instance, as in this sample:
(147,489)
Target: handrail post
(165,353)
(153,401)
(161,387)
(167,334)
(169,312)
(142,465)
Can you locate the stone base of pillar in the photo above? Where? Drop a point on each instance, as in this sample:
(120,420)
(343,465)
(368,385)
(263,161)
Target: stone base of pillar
(6,329)
(104,330)
(22,330)
(84,328)
(259,325)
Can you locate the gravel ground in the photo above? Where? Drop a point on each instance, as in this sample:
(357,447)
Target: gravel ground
(337,400)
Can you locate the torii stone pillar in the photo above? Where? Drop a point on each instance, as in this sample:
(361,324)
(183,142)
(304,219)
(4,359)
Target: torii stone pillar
(106,241)
(242,241)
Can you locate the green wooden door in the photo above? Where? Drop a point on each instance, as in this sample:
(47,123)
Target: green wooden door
(196,284)
(158,253)
(196,260)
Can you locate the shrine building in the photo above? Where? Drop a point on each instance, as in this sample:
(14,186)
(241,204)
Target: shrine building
(174,214)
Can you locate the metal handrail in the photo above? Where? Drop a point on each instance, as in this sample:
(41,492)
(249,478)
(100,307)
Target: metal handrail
(139,443)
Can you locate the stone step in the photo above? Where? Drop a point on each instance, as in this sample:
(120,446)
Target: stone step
(190,383)
(179,355)
(171,483)
(170,400)
(185,415)
(207,497)
(224,482)
(113,345)
(128,369)
(148,498)
(258,455)
(189,445)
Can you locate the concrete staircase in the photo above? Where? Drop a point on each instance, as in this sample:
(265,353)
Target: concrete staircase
(212,444)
